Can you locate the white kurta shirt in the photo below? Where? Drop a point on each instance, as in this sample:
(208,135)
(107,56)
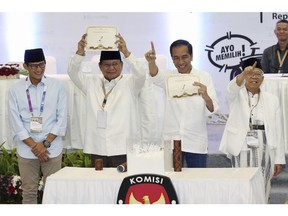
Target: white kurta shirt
(237,126)
(121,107)
(186,118)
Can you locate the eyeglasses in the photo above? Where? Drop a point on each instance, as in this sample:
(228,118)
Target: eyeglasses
(35,66)
(114,65)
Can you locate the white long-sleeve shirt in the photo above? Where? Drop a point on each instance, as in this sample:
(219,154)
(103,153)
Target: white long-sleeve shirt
(237,126)
(54,114)
(121,107)
(186,118)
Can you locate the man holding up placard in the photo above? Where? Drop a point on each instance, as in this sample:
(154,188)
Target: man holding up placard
(111,102)
(186,113)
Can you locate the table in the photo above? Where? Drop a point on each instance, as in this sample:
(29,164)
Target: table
(278,85)
(74,137)
(73,185)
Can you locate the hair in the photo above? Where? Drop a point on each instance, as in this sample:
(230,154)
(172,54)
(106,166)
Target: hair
(181,42)
(282,21)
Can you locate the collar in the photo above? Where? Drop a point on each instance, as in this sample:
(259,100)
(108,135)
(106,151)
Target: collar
(253,96)
(112,82)
(278,47)
(42,82)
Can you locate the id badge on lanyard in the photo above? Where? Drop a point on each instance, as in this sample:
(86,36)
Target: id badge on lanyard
(102,119)
(102,114)
(252,138)
(36,124)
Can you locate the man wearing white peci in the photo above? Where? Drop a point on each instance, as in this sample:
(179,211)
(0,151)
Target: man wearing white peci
(253,134)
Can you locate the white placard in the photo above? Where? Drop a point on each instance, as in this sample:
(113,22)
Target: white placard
(179,86)
(101,38)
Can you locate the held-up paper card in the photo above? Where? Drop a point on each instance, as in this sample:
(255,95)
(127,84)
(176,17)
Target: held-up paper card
(179,86)
(101,38)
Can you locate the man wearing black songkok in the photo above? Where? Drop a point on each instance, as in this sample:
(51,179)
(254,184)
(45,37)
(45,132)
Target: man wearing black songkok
(111,105)
(38,118)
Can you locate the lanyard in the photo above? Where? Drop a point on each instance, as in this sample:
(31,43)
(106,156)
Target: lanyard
(281,61)
(29,98)
(108,93)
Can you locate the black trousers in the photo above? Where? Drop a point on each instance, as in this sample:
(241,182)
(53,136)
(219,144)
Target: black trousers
(109,161)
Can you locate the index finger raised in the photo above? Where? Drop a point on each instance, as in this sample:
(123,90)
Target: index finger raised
(152,46)
(254,65)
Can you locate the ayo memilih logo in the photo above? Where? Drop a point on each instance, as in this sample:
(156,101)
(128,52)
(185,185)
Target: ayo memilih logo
(227,52)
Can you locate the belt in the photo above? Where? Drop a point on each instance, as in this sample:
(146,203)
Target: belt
(258,127)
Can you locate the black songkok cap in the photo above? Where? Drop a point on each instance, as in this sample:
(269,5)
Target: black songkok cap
(250,62)
(34,55)
(109,55)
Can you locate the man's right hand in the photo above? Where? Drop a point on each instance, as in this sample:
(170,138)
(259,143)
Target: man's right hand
(244,74)
(151,59)
(151,54)
(81,46)
(40,152)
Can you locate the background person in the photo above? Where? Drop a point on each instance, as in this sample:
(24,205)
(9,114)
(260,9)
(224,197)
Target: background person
(38,117)
(186,117)
(253,134)
(274,58)
(111,102)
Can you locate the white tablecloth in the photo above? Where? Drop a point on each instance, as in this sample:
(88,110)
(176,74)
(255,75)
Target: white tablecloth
(73,185)
(5,132)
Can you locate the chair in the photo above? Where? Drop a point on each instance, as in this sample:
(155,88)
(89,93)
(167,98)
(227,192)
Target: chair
(147,189)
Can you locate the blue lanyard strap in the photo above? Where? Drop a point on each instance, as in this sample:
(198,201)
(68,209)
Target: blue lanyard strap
(29,98)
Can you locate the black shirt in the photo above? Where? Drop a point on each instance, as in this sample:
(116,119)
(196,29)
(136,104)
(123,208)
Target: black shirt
(270,62)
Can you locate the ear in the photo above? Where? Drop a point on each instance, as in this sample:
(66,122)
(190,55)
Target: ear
(262,79)
(191,56)
(25,66)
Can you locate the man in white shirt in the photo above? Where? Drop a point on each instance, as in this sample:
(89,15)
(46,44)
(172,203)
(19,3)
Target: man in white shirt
(253,135)
(38,116)
(186,117)
(111,102)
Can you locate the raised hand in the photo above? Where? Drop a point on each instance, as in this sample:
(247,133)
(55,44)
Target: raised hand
(122,45)
(151,59)
(245,74)
(248,70)
(151,54)
(81,45)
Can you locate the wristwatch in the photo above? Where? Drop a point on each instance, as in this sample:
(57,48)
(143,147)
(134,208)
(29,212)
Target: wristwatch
(46,143)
